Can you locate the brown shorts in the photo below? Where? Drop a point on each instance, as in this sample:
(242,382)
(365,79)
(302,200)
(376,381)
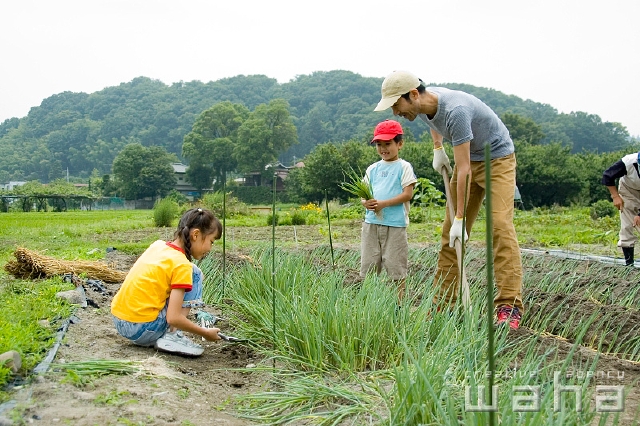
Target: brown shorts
(384,247)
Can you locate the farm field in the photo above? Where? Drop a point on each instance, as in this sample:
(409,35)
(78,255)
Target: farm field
(326,347)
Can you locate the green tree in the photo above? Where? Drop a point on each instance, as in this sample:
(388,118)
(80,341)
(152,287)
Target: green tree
(587,132)
(200,175)
(55,194)
(87,131)
(294,187)
(143,172)
(523,128)
(107,186)
(209,146)
(327,166)
(420,154)
(546,175)
(324,168)
(313,129)
(589,167)
(268,132)
(357,154)
(72,144)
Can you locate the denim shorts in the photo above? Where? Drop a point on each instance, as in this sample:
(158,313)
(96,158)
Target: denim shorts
(146,333)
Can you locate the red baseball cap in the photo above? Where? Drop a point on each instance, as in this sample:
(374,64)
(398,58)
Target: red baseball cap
(386,130)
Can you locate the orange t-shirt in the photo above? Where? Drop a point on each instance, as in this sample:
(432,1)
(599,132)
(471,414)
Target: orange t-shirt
(144,292)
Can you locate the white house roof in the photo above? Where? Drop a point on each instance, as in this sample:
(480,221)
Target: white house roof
(179,167)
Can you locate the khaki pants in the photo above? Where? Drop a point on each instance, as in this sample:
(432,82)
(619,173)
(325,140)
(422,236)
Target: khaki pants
(384,247)
(631,198)
(506,251)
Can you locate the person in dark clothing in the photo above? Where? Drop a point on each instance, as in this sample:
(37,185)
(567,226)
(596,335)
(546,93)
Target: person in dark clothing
(626,198)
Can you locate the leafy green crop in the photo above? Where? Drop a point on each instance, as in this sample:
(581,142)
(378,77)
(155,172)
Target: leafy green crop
(357,186)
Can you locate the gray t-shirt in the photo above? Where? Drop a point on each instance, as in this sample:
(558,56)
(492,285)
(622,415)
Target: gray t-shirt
(462,117)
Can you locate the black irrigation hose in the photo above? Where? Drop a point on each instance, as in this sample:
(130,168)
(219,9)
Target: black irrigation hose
(45,363)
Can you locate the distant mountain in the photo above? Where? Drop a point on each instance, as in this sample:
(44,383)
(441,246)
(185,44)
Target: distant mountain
(81,132)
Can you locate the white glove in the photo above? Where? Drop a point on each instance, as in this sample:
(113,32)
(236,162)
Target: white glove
(456,232)
(440,160)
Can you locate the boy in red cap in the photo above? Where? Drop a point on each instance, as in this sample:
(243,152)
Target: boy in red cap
(384,231)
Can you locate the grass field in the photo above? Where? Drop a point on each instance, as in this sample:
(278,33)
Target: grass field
(72,235)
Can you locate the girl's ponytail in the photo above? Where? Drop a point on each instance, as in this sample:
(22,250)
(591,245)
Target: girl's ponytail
(198,218)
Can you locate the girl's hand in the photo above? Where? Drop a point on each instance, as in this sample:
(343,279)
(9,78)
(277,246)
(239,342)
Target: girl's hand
(211,334)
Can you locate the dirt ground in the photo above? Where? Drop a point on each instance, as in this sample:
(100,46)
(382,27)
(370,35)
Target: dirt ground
(176,391)
(196,391)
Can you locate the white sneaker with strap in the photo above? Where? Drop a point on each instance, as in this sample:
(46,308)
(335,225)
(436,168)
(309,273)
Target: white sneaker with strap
(178,343)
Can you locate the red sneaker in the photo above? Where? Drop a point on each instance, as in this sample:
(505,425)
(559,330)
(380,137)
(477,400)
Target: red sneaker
(509,314)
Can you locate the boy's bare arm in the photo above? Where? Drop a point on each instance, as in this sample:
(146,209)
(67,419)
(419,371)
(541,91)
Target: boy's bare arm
(406,195)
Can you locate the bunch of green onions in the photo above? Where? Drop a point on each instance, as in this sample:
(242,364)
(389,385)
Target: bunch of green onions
(99,367)
(357,186)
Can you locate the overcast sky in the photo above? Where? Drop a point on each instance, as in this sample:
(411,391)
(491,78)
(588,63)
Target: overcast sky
(576,55)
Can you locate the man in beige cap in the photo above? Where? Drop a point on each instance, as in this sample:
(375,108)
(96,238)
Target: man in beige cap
(470,125)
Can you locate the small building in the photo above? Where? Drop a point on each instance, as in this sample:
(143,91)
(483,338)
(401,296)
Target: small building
(281,171)
(183,185)
(11,185)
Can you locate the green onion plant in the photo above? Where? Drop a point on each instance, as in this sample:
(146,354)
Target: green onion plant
(357,186)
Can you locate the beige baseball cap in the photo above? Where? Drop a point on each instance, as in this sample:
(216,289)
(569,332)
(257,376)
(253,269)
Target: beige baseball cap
(395,85)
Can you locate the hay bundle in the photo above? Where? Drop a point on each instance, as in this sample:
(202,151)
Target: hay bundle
(29,264)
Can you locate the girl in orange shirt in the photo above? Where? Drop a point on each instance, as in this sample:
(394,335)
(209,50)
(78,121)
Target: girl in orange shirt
(152,305)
